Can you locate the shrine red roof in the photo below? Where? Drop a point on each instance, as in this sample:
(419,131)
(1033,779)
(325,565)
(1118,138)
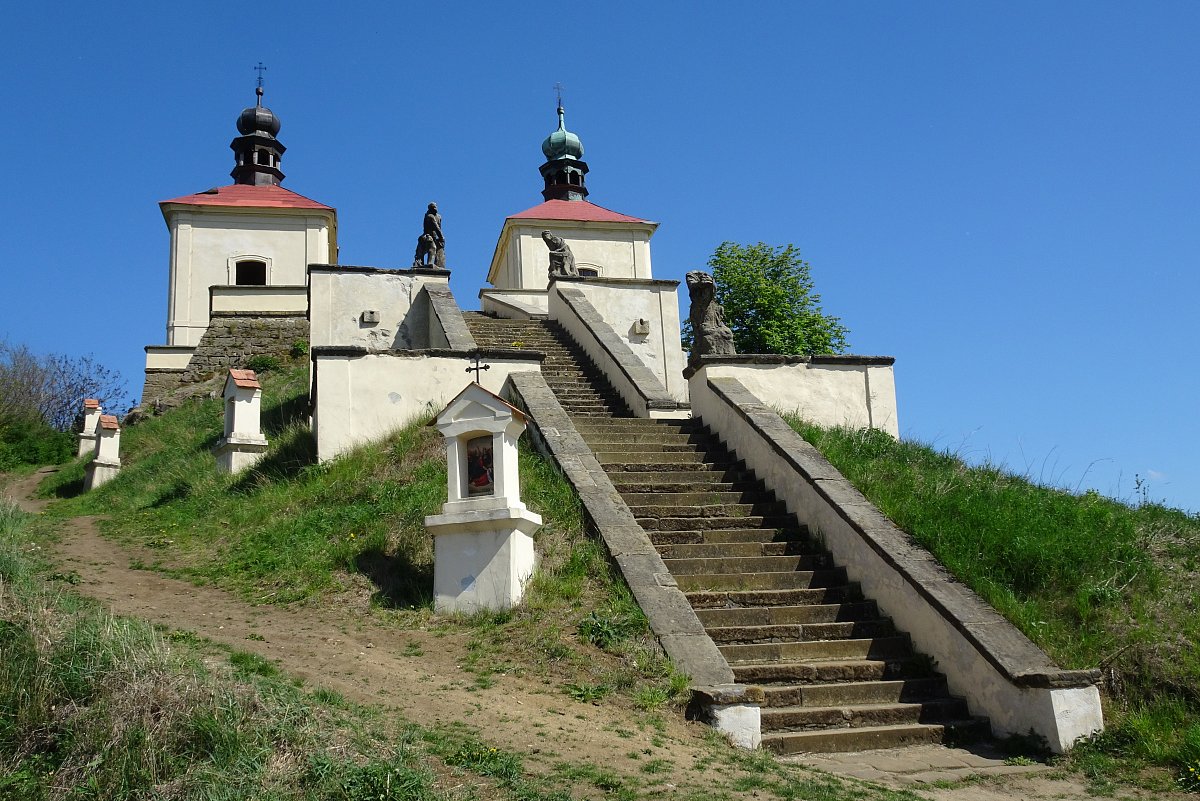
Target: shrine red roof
(245,379)
(91,403)
(109,421)
(576,210)
(247,196)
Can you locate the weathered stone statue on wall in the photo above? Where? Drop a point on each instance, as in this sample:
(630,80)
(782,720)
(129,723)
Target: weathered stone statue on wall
(710,335)
(431,244)
(562,260)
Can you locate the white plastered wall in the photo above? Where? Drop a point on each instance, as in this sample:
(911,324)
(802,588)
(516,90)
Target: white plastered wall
(851,395)
(622,305)
(364,398)
(340,296)
(207,241)
(615,249)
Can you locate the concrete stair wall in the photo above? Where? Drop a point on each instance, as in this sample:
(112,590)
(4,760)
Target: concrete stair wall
(835,674)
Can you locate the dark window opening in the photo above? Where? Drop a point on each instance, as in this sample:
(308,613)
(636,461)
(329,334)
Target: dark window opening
(589,272)
(250,273)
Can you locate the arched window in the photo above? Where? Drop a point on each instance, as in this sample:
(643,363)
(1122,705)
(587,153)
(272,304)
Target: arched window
(250,273)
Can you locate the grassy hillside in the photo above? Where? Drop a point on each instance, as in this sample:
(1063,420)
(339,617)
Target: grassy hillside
(1095,582)
(94,706)
(291,530)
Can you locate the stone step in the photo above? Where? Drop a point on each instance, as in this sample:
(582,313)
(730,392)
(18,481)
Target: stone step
(689,523)
(689,488)
(634,498)
(758,535)
(819,672)
(792,580)
(640,424)
(667,467)
(650,457)
(890,647)
(747,564)
(777,615)
(872,737)
(801,632)
(597,439)
(690,477)
(855,692)
(645,446)
(721,510)
(720,550)
(711,598)
(808,718)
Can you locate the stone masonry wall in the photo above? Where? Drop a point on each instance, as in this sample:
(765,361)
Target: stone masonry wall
(160,383)
(233,338)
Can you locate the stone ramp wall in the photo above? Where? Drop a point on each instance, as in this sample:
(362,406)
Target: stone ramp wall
(985,659)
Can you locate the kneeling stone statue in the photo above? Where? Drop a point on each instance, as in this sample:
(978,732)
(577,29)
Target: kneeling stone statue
(710,335)
(562,260)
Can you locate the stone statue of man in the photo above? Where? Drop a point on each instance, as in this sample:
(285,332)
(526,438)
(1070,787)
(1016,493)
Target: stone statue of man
(562,260)
(431,244)
(710,334)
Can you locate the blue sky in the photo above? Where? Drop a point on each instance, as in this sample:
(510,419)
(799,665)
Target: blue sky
(1001,195)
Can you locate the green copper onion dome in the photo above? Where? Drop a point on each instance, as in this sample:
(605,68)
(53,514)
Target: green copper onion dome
(562,144)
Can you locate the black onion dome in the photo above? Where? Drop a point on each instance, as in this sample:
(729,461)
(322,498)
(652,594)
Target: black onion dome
(257,118)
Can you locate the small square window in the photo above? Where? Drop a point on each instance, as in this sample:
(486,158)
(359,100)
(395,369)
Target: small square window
(250,273)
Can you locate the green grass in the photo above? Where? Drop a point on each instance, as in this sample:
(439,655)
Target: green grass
(1093,581)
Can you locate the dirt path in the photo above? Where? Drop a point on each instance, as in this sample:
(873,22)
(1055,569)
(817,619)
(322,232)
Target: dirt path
(418,673)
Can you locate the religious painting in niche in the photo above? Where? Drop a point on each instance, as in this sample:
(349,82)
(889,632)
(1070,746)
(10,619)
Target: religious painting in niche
(480,477)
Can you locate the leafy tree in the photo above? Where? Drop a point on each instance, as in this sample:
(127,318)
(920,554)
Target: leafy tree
(51,387)
(770,303)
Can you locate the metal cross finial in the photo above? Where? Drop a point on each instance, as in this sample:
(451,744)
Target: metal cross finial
(477,367)
(558,90)
(261,69)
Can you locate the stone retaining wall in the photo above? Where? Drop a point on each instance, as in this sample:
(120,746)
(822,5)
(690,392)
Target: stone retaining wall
(234,337)
(160,383)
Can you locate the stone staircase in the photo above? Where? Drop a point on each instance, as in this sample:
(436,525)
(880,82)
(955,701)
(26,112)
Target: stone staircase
(837,675)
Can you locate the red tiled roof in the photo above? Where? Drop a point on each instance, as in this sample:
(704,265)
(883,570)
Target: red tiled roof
(578,210)
(109,421)
(247,196)
(245,379)
(91,403)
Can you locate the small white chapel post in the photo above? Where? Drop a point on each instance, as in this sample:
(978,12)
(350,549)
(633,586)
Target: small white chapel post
(482,541)
(91,418)
(107,464)
(243,443)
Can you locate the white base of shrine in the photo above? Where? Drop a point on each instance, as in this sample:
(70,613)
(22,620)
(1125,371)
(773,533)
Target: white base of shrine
(482,559)
(97,473)
(235,454)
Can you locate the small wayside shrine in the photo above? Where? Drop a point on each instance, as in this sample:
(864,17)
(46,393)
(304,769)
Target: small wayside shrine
(243,443)
(483,539)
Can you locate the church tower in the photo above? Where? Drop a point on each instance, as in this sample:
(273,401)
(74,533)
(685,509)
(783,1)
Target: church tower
(605,243)
(252,233)
(239,261)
